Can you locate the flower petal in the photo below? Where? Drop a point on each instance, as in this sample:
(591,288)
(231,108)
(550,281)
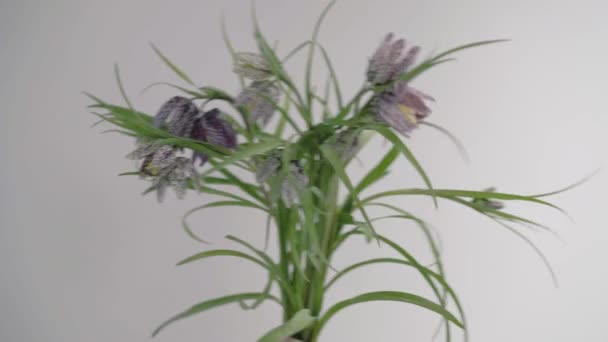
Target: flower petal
(251,66)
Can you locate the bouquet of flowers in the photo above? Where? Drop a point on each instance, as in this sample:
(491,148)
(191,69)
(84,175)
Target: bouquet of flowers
(284,150)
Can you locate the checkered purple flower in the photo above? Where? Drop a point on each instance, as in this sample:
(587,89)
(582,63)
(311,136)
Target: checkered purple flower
(251,66)
(390,60)
(291,184)
(182,118)
(162,165)
(258,100)
(401,107)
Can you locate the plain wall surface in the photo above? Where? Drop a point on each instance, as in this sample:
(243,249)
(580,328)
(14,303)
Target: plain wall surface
(84,257)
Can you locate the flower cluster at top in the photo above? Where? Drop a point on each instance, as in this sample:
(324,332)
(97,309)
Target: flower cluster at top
(394,103)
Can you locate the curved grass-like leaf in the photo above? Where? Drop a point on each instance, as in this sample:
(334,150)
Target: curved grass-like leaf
(355,266)
(571,186)
(332,75)
(300,321)
(211,304)
(459,145)
(468,46)
(121,87)
(378,171)
(221,252)
(311,51)
(450,193)
(333,159)
(229,46)
(216,204)
(535,248)
(172,66)
(194,94)
(395,296)
(392,137)
(245,153)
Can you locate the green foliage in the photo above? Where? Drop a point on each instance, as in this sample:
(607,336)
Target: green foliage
(321,218)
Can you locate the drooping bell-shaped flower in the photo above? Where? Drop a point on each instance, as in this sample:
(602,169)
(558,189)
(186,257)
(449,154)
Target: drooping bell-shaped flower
(182,118)
(164,167)
(489,203)
(251,66)
(211,128)
(257,101)
(390,60)
(178,114)
(268,167)
(293,183)
(347,143)
(176,176)
(401,107)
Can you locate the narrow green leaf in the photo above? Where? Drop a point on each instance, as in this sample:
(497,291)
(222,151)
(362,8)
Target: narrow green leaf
(295,51)
(570,187)
(468,46)
(245,153)
(229,46)
(461,149)
(172,66)
(216,204)
(311,52)
(211,304)
(392,137)
(221,252)
(387,296)
(121,86)
(448,193)
(194,94)
(333,75)
(300,321)
(338,166)
(378,171)
(355,266)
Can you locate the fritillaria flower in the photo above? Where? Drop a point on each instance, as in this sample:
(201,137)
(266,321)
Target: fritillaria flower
(184,119)
(251,66)
(179,114)
(268,167)
(401,107)
(211,128)
(347,144)
(164,167)
(390,60)
(257,100)
(489,203)
(162,163)
(292,183)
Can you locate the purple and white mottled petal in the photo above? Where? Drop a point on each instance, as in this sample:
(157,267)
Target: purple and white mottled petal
(160,184)
(143,150)
(390,61)
(182,119)
(293,184)
(413,100)
(217,130)
(257,99)
(389,113)
(406,62)
(347,144)
(267,168)
(251,66)
(379,63)
(168,108)
(164,157)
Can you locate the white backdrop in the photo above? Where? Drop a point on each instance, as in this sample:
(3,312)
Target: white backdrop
(85,258)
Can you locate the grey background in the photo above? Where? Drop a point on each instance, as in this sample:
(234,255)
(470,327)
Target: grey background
(85,258)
